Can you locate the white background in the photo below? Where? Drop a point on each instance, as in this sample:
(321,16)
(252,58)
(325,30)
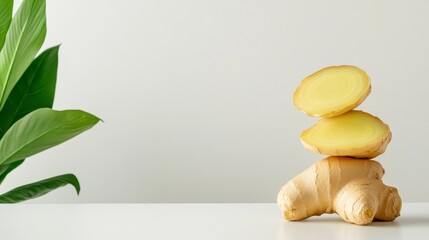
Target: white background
(196,96)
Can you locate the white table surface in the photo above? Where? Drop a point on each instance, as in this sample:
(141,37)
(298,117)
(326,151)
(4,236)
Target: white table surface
(194,221)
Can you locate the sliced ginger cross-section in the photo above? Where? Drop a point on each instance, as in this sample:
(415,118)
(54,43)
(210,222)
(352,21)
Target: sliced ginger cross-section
(332,91)
(355,134)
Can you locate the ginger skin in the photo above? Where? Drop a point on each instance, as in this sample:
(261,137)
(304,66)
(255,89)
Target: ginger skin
(350,187)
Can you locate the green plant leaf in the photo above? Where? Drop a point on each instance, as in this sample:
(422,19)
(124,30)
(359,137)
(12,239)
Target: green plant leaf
(6,169)
(23,40)
(35,89)
(6,8)
(42,129)
(37,189)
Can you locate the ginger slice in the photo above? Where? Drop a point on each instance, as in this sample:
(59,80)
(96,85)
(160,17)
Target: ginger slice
(355,134)
(332,91)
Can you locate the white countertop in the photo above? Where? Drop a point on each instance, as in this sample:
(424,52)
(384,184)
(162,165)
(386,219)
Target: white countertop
(195,221)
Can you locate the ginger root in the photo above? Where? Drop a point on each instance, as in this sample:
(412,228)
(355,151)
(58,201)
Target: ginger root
(354,134)
(332,91)
(350,187)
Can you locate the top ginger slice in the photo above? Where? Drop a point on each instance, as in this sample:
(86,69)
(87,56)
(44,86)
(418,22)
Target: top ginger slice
(332,91)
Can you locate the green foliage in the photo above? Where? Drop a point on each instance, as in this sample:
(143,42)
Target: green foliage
(7,168)
(35,89)
(40,188)
(40,130)
(28,125)
(24,38)
(6,7)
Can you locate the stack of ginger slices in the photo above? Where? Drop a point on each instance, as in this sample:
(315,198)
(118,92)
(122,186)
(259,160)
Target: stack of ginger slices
(346,182)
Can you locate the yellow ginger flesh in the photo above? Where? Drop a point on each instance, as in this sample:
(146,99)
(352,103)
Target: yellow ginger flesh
(332,91)
(354,134)
(350,187)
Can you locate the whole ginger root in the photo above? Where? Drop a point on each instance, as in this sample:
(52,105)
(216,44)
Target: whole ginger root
(350,187)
